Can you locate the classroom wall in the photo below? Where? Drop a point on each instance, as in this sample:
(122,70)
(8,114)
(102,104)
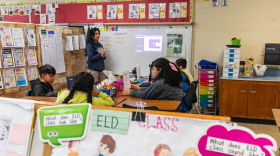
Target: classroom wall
(255,22)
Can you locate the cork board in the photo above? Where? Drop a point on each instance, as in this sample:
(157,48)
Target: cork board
(75,61)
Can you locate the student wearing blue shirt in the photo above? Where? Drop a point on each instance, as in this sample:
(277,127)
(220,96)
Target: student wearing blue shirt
(95,56)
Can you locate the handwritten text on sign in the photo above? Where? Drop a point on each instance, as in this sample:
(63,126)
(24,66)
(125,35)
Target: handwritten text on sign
(233,147)
(65,119)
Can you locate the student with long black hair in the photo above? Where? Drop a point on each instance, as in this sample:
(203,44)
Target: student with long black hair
(82,92)
(95,56)
(167,83)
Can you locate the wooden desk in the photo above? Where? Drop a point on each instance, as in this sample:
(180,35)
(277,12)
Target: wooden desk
(161,104)
(276,114)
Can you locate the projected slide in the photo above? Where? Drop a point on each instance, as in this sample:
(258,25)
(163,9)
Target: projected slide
(148,43)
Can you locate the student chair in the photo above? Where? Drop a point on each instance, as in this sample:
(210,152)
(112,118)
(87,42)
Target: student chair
(29,92)
(70,81)
(145,108)
(189,99)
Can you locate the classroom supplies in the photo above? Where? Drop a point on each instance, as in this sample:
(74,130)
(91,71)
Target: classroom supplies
(249,66)
(126,80)
(231,62)
(138,72)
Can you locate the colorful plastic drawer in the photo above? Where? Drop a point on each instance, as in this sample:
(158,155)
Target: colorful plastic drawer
(202,96)
(207,88)
(207,84)
(207,76)
(207,92)
(207,71)
(205,104)
(207,100)
(207,80)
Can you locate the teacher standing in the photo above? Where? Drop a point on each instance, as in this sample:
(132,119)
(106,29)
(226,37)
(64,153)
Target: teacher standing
(95,56)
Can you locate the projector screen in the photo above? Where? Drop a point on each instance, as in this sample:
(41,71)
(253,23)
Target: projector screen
(148,43)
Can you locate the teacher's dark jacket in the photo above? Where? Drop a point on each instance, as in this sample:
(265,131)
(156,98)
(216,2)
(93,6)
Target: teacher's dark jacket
(94,60)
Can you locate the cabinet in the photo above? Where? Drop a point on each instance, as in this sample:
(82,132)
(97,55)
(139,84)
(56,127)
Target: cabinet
(248,99)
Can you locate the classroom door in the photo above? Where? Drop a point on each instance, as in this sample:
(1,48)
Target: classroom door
(233,100)
(261,101)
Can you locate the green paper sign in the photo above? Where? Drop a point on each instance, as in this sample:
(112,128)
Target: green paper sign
(63,123)
(110,121)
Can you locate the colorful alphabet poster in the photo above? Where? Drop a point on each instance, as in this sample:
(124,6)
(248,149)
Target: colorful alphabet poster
(6,37)
(9,77)
(168,136)
(21,77)
(120,11)
(56,126)
(8,59)
(19,57)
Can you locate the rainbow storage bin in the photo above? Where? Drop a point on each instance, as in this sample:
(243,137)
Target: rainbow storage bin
(207,90)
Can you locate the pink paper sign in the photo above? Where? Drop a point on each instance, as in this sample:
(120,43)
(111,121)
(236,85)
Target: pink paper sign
(222,141)
(11,153)
(18,134)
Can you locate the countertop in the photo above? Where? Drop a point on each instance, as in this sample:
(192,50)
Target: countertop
(264,78)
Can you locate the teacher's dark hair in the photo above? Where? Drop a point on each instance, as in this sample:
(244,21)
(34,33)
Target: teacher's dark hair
(171,77)
(92,35)
(83,82)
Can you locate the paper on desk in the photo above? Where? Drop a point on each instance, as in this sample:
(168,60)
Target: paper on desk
(126,80)
(69,44)
(75,42)
(18,133)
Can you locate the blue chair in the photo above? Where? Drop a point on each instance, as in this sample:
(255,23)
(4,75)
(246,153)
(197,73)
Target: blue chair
(70,81)
(190,98)
(146,108)
(29,92)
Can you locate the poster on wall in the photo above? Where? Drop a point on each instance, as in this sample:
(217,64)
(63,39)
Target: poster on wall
(51,18)
(21,10)
(174,45)
(18,37)
(9,77)
(11,10)
(31,56)
(1,81)
(112,11)
(21,77)
(32,73)
(19,57)
(91,12)
(184,6)
(120,11)
(30,37)
(37,9)
(162,136)
(5,10)
(6,37)
(174,10)
(16,10)
(99,12)
(162,10)
(48,9)
(133,11)
(8,59)
(220,3)
(28,10)
(154,10)
(142,10)
(43,19)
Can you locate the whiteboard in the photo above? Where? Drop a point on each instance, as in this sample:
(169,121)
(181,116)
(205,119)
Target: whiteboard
(121,46)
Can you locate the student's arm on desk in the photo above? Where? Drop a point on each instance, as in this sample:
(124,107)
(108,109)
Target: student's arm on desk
(152,92)
(103,100)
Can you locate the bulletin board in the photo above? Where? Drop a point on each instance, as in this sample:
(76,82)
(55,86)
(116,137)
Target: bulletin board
(77,13)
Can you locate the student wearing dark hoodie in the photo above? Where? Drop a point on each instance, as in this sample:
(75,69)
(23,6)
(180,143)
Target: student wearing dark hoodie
(42,86)
(95,56)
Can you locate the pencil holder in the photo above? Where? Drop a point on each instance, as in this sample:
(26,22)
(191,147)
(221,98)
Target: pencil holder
(112,92)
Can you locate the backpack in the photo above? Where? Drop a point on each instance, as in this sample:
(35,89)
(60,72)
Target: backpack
(204,64)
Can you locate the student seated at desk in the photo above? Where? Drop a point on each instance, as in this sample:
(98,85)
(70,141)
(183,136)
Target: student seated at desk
(82,92)
(43,87)
(187,76)
(167,83)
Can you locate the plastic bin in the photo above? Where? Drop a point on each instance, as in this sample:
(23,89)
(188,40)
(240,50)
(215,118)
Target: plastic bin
(207,80)
(112,92)
(202,96)
(207,84)
(207,71)
(206,104)
(207,92)
(207,76)
(207,100)
(118,84)
(207,89)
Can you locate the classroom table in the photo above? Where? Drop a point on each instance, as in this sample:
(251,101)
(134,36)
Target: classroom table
(129,100)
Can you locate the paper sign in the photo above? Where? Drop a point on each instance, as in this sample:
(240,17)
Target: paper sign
(184,9)
(99,12)
(134,10)
(110,121)
(126,80)
(142,10)
(120,11)
(69,43)
(91,12)
(75,39)
(18,134)
(11,153)
(63,123)
(112,11)
(239,141)
(82,42)
(162,10)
